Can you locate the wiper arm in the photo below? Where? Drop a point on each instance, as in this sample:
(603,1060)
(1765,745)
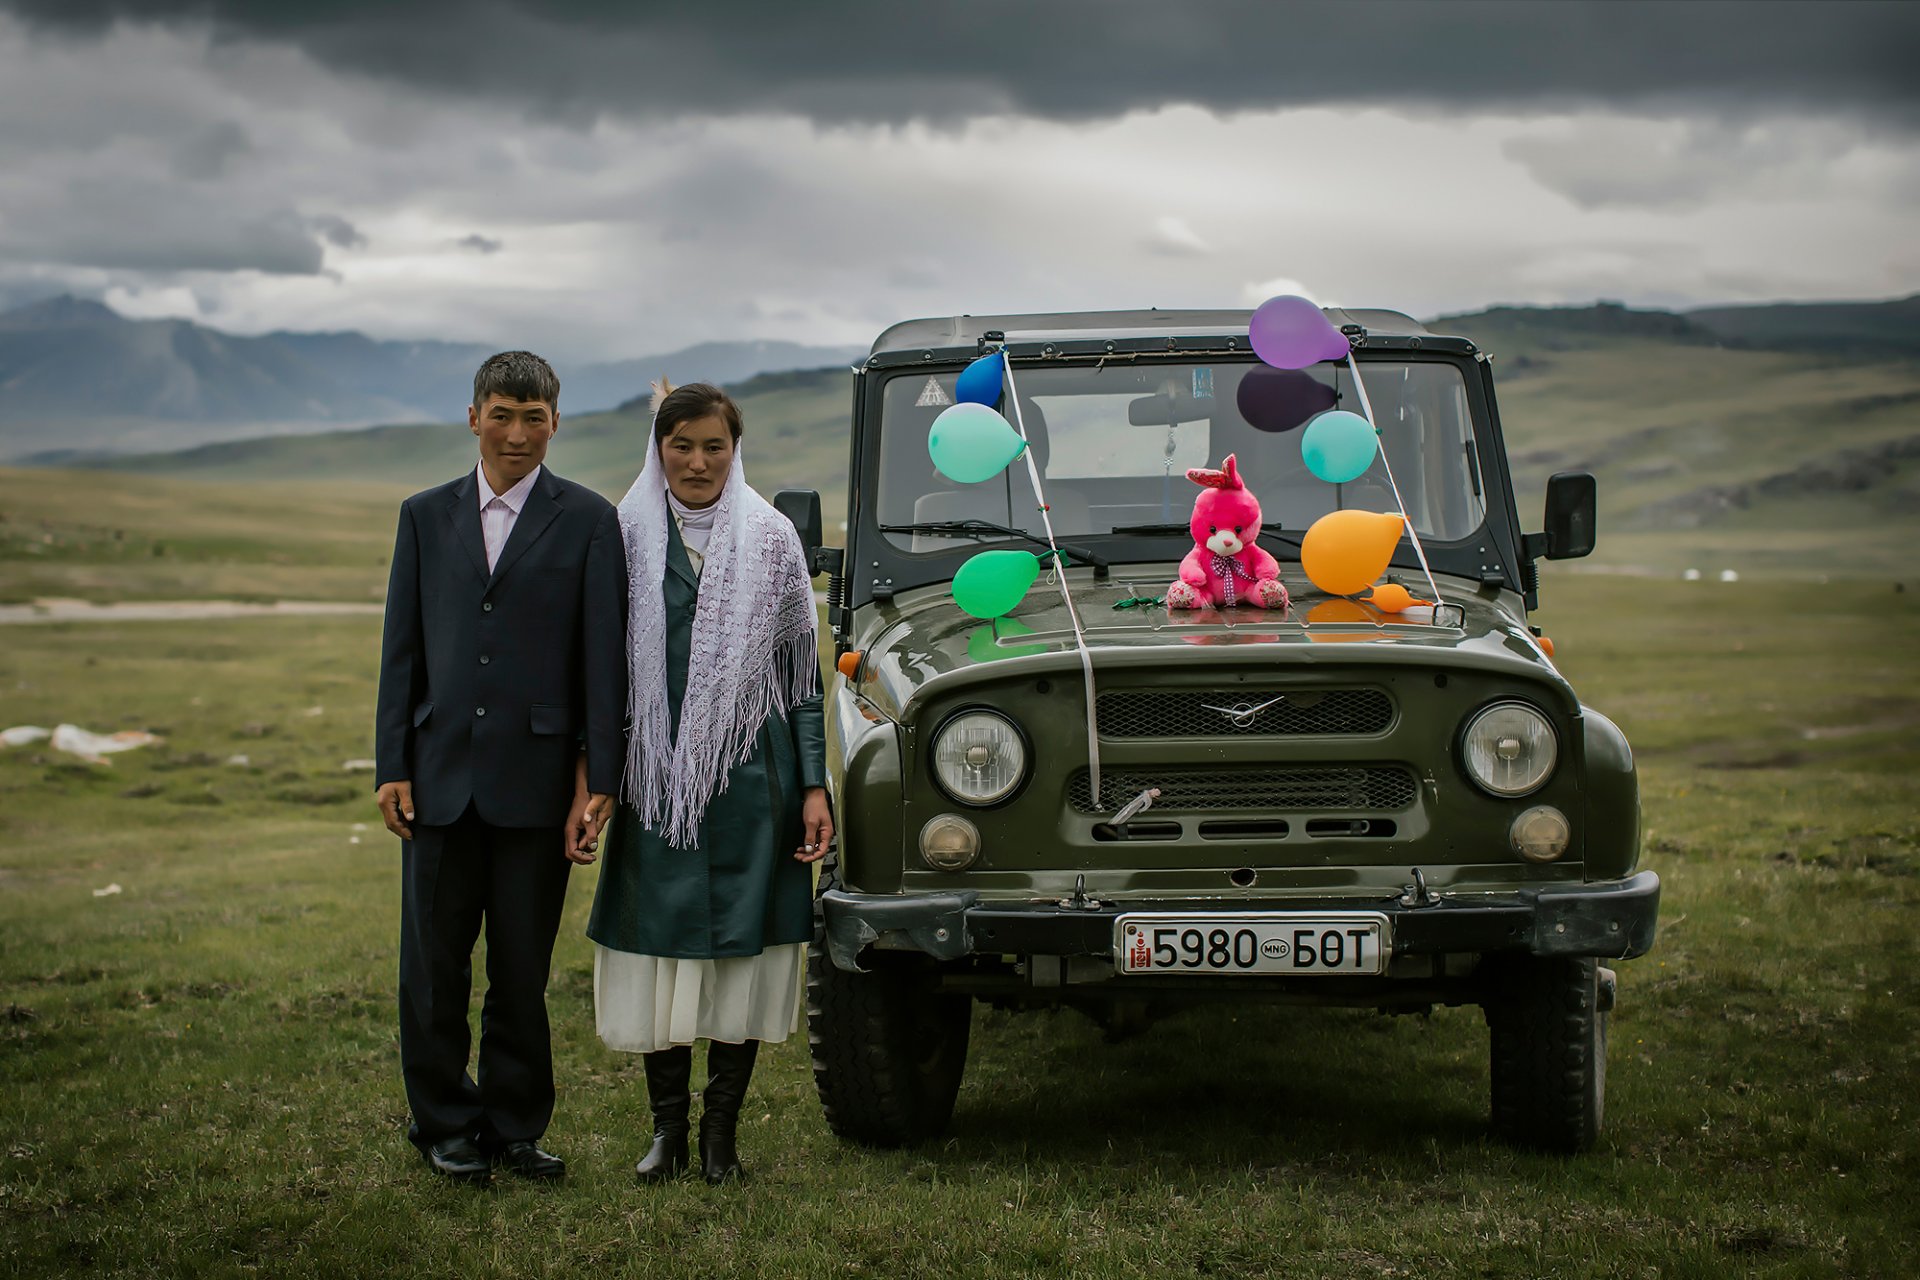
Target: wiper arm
(988,529)
(1151,530)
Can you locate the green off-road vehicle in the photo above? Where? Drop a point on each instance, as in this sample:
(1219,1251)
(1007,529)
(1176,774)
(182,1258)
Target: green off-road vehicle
(1354,807)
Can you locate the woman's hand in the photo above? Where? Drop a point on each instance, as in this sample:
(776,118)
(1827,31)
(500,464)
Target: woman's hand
(817,815)
(585,817)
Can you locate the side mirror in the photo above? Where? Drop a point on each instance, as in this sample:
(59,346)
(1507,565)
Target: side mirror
(802,506)
(1571,499)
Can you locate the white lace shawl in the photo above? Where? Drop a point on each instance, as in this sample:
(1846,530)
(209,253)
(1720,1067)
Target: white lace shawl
(755,648)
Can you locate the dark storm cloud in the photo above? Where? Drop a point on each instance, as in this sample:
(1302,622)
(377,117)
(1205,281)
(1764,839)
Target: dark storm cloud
(869,60)
(337,231)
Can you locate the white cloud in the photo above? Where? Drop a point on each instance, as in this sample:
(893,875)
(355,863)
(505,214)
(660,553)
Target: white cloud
(1172,235)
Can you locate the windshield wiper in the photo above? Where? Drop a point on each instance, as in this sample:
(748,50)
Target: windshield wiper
(988,529)
(1186,531)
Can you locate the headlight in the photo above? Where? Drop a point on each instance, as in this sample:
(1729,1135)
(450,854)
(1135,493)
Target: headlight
(949,842)
(1541,834)
(1509,748)
(979,758)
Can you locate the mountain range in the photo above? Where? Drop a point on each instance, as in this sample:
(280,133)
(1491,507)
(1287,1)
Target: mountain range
(79,379)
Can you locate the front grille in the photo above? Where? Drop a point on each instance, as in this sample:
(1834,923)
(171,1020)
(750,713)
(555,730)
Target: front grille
(1194,714)
(1379,788)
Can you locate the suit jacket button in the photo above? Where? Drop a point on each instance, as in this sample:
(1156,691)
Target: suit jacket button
(486,606)
(484,659)
(479,711)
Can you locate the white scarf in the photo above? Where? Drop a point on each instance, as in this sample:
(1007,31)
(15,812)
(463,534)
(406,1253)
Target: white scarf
(755,646)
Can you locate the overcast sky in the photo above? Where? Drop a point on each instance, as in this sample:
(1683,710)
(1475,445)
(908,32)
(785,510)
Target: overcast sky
(600,180)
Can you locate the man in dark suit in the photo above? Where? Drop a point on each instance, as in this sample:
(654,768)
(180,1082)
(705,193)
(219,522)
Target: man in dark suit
(505,608)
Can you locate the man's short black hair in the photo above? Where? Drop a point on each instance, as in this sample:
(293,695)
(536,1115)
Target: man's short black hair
(517,375)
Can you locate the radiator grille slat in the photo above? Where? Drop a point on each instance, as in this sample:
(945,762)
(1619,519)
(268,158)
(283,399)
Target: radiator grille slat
(1185,713)
(1320,788)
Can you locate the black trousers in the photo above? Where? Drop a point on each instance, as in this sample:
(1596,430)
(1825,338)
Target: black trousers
(454,879)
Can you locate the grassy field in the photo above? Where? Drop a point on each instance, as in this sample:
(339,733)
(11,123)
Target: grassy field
(198,1074)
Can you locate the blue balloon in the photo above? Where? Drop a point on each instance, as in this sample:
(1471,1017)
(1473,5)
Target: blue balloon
(971,443)
(982,381)
(1339,446)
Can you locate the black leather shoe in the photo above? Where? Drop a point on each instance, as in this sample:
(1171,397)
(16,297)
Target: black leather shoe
(668,1073)
(458,1157)
(528,1161)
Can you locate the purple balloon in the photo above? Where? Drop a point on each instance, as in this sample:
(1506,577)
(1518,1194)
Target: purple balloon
(1281,399)
(1288,332)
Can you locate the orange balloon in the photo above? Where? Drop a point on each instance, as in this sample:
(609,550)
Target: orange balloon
(1391,597)
(1345,551)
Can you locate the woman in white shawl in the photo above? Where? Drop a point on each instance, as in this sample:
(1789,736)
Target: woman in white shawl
(705,905)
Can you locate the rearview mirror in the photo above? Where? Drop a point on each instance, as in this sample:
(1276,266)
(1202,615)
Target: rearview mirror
(1571,499)
(802,506)
(1168,410)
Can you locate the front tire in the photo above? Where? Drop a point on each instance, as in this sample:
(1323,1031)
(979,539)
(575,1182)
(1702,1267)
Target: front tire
(1548,1039)
(888,1047)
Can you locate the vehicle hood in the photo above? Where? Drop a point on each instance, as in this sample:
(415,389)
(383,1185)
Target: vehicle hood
(925,638)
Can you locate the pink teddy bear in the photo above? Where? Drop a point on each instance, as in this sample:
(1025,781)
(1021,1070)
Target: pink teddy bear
(1227,566)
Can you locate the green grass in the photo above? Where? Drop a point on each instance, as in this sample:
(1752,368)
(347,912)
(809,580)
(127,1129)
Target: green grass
(198,1075)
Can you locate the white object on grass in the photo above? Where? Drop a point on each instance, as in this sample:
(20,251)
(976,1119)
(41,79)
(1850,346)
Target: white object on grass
(360,766)
(107,892)
(94,748)
(21,734)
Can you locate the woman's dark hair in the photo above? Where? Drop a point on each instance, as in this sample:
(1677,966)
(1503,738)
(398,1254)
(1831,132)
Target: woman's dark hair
(695,400)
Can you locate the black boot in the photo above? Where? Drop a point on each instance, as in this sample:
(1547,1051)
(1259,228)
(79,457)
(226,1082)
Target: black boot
(729,1067)
(668,1074)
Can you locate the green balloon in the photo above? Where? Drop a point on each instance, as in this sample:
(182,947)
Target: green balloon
(986,643)
(993,582)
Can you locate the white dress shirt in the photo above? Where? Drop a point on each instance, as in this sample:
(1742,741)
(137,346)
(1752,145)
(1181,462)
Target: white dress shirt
(499,511)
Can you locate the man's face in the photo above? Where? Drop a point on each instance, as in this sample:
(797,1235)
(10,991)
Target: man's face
(513,437)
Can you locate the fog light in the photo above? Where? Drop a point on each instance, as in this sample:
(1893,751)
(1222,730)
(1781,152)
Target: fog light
(949,843)
(1541,833)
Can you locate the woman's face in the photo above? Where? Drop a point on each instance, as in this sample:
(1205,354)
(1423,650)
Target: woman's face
(696,456)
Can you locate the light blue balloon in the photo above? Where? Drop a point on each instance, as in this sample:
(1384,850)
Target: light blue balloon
(971,443)
(1338,446)
(982,381)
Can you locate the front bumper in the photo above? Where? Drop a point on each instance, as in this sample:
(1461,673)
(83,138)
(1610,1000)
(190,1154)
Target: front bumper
(1616,919)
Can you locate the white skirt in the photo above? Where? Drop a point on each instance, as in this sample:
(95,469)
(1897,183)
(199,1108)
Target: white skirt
(644,1003)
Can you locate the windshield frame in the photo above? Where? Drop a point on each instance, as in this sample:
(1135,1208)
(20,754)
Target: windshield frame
(878,567)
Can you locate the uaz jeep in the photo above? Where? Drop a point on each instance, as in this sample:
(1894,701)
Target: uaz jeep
(1329,804)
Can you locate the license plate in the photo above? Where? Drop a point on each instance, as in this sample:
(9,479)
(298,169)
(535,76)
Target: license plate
(1299,944)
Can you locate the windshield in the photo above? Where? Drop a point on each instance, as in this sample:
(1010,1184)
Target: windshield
(1113,446)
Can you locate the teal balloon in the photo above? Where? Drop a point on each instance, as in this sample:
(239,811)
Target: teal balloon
(982,381)
(971,443)
(1339,446)
(993,582)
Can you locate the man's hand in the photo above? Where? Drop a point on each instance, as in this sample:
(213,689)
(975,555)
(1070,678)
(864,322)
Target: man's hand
(817,815)
(396,806)
(588,815)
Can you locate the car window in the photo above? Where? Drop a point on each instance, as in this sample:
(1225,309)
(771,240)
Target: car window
(1113,446)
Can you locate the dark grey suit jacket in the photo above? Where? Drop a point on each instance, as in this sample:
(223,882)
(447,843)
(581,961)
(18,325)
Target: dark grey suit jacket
(485,678)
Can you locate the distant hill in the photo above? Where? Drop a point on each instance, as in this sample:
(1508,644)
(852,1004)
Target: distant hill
(1847,329)
(1860,327)
(796,435)
(78,378)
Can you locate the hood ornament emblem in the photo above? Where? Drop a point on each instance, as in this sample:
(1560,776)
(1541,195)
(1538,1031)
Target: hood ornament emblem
(1243,714)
